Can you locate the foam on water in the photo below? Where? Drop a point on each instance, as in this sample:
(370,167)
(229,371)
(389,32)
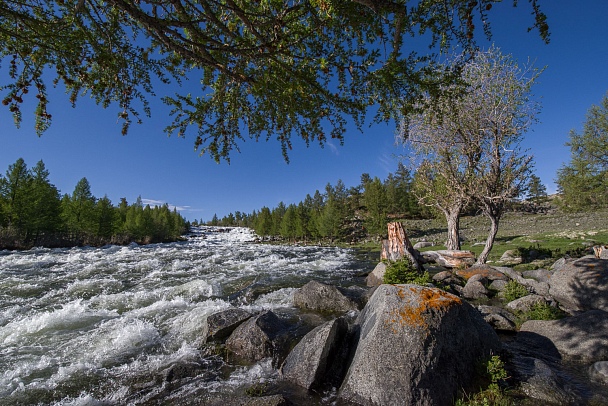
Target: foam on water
(88,326)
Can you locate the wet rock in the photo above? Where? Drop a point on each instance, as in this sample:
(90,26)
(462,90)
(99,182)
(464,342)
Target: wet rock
(218,326)
(259,337)
(583,337)
(416,345)
(269,400)
(538,380)
(525,304)
(581,285)
(320,297)
(308,363)
(599,372)
(376,277)
(497,317)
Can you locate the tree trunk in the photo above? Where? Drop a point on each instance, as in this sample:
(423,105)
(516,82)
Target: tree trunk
(453,219)
(399,246)
(490,240)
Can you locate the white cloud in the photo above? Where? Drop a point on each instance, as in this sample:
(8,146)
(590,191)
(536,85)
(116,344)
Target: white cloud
(333,148)
(153,202)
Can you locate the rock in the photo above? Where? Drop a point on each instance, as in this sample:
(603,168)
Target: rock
(486,271)
(497,317)
(449,258)
(539,288)
(559,264)
(599,372)
(541,382)
(581,285)
(257,338)
(498,285)
(376,277)
(269,400)
(416,345)
(525,304)
(474,289)
(220,325)
(422,244)
(540,275)
(583,337)
(307,364)
(320,297)
(511,256)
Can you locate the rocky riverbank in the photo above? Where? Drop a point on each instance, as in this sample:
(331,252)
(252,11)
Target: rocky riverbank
(421,345)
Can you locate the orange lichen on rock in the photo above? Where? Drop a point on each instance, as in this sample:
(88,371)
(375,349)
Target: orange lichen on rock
(428,299)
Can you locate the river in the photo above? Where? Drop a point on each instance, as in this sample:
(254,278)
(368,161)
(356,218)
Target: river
(101,326)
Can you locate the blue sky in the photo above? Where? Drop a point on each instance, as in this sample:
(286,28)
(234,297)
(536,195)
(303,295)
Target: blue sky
(86,141)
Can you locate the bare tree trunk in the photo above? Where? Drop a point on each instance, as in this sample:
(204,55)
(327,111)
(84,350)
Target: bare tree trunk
(494,220)
(453,219)
(399,246)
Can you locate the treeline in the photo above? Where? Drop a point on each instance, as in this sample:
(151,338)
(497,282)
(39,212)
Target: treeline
(338,214)
(34,213)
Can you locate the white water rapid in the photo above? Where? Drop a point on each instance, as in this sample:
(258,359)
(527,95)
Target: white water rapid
(100,326)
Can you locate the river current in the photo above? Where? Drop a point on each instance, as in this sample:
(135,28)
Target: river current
(101,326)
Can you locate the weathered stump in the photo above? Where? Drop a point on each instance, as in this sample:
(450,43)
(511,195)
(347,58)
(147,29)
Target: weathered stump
(398,246)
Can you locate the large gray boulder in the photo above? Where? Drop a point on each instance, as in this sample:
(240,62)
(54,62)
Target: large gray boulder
(218,326)
(416,345)
(376,277)
(581,285)
(498,318)
(525,304)
(583,337)
(259,337)
(308,363)
(320,297)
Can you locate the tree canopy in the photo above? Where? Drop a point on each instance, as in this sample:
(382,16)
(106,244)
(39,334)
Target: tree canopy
(267,68)
(583,183)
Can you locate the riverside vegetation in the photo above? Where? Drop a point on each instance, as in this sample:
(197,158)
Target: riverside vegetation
(34,213)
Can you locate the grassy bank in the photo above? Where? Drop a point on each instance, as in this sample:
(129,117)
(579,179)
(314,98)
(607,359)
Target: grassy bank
(558,232)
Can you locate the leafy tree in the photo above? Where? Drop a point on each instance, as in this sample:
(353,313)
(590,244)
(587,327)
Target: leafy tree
(537,192)
(14,190)
(289,226)
(44,207)
(79,209)
(375,201)
(270,68)
(583,183)
(263,225)
(105,215)
(470,144)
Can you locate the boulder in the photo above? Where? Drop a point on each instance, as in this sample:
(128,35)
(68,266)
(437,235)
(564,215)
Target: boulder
(259,337)
(423,244)
(581,285)
(416,345)
(583,337)
(599,372)
(449,258)
(498,285)
(540,275)
(497,317)
(539,381)
(539,288)
(218,326)
(308,363)
(474,289)
(488,272)
(320,297)
(511,257)
(376,277)
(525,304)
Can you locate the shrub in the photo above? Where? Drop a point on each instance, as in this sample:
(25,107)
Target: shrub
(403,271)
(514,290)
(543,311)
(494,373)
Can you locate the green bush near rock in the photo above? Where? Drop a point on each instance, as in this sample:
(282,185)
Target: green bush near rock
(514,290)
(496,374)
(541,311)
(402,271)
